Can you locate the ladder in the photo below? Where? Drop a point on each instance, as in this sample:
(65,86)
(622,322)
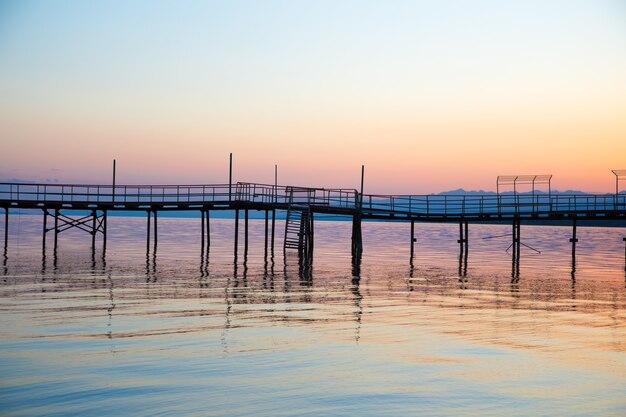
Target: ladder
(298,229)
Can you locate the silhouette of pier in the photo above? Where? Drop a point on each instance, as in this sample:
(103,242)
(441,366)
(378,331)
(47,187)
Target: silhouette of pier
(58,202)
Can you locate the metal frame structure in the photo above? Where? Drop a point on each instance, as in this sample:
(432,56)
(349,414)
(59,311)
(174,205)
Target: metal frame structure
(620,174)
(524,180)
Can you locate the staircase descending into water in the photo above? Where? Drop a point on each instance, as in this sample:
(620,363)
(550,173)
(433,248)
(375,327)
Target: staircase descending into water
(298,229)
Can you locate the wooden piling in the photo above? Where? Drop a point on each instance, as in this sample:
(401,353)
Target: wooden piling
(208,229)
(56,228)
(266,231)
(93,229)
(245,232)
(202,228)
(357,237)
(156,234)
(6,228)
(273,229)
(412,239)
(236,231)
(148,232)
(45,227)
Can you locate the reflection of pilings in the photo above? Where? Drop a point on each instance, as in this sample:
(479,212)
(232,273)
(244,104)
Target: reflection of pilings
(463,242)
(624,239)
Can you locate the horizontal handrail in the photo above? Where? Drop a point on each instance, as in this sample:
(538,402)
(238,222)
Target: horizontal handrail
(373,204)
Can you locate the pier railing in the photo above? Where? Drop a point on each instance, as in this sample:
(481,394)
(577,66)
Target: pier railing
(419,206)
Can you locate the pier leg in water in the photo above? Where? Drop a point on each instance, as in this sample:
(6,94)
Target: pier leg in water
(148,234)
(516,246)
(357,238)
(412,240)
(104,233)
(45,228)
(202,229)
(236,233)
(273,229)
(6,228)
(573,240)
(208,231)
(156,234)
(94,216)
(56,228)
(266,232)
(245,234)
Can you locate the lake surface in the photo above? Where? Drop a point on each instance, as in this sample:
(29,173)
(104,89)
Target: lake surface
(180,333)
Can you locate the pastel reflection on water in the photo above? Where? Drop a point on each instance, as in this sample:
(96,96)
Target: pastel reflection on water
(189,332)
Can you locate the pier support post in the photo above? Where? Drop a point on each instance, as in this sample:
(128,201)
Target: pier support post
(202,228)
(156,234)
(148,232)
(94,217)
(357,238)
(273,229)
(516,247)
(266,231)
(104,232)
(45,228)
(6,228)
(208,230)
(236,232)
(573,240)
(245,233)
(412,239)
(56,228)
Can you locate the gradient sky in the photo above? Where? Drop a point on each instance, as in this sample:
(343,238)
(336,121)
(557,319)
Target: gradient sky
(429,95)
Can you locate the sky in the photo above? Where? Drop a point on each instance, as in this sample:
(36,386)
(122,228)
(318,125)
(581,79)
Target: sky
(428,95)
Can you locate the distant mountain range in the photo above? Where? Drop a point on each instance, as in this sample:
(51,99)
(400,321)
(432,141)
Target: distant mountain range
(461,191)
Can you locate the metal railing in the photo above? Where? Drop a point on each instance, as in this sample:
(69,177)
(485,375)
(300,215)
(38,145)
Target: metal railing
(420,206)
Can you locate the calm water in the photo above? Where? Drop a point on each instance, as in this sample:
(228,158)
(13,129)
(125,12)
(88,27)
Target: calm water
(177,334)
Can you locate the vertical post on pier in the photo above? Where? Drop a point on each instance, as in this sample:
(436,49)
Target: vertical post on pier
(266,230)
(6,228)
(56,228)
(245,232)
(93,230)
(361,194)
(236,232)
(113,189)
(275,183)
(45,227)
(230,179)
(273,229)
(412,239)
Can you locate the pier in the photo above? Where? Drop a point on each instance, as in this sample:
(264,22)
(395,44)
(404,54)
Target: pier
(64,206)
